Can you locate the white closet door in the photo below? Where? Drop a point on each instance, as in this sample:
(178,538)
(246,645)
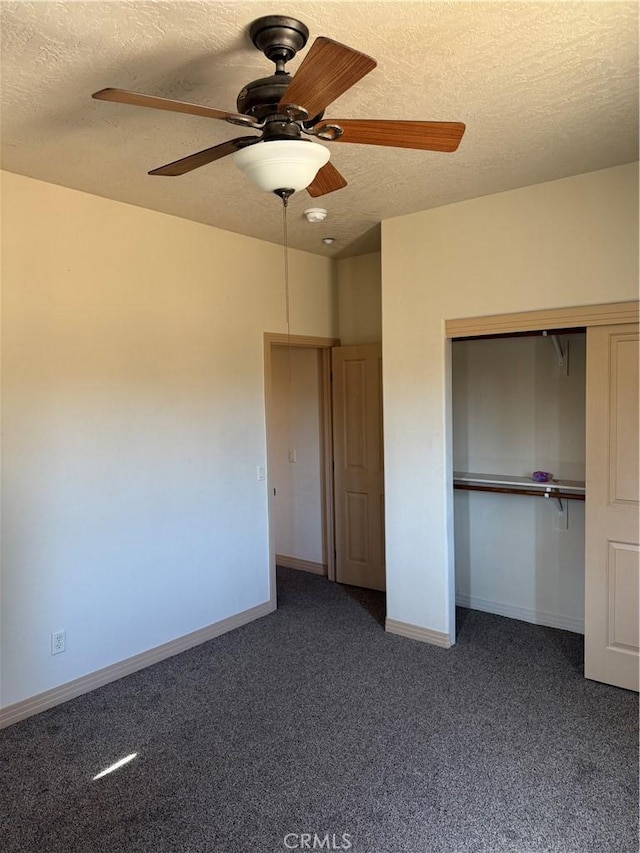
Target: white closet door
(612,563)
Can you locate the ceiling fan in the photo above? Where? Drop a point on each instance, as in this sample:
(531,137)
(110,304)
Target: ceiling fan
(286,109)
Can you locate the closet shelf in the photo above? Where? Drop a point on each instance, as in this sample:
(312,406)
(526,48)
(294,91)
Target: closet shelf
(506,484)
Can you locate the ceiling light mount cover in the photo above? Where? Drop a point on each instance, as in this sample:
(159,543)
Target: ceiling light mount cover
(278,37)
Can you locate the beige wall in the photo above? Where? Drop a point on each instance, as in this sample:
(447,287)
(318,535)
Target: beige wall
(133,399)
(562,243)
(360,300)
(133,425)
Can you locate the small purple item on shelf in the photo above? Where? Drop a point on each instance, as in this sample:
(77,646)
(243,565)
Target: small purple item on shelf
(541,476)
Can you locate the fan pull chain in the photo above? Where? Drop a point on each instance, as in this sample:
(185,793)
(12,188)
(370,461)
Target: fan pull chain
(284,195)
(285,246)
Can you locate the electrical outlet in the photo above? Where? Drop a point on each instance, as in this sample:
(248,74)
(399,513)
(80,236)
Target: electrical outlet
(58,642)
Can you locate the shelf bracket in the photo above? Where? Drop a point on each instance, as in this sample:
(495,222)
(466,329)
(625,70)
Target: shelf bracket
(562,355)
(560,521)
(557,500)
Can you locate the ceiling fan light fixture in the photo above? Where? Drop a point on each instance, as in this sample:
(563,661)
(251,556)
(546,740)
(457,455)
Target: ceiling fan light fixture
(282,163)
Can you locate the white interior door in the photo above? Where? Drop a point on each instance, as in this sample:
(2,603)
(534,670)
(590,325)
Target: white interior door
(359,469)
(612,521)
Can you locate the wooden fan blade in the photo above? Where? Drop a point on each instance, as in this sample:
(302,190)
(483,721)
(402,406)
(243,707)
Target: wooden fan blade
(328,70)
(326,181)
(424,135)
(201,158)
(122,96)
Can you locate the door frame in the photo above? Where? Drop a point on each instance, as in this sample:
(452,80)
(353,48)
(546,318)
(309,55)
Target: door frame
(581,316)
(606,314)
(323,346)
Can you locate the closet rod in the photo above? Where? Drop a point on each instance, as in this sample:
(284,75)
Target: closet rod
(516,491)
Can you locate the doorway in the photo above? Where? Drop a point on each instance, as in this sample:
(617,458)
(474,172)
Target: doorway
(295,459)
(299,453)
(325,460)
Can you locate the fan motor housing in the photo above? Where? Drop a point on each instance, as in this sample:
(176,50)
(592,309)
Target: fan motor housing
(279,37)
(260,98)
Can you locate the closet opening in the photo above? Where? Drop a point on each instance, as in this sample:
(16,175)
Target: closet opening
(518,434)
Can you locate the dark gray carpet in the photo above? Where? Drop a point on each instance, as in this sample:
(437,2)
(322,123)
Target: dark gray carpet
(313,720)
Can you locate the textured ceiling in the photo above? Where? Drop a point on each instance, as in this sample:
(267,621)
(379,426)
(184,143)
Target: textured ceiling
(546,90)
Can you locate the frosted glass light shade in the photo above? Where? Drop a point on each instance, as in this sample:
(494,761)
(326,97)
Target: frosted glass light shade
(290,164)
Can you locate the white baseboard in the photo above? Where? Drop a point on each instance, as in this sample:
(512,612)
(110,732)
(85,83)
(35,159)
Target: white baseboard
(303,565)
(524,614)
(415,632)
(57,695)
